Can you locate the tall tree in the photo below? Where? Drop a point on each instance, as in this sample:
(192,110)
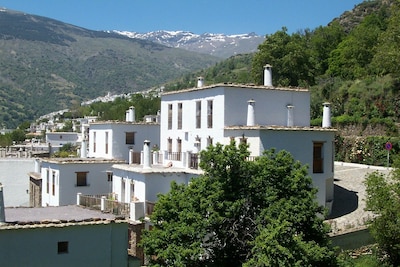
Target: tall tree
(228,215)
(290,57)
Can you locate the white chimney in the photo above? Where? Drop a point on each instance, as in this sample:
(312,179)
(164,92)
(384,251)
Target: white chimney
(146,154)
(2,209)
(267,75)
(37,165)
(130,160)
(290,122)
(200,82)
(130,114)
(250,112)
(83,149)
(158,116)
(326,115)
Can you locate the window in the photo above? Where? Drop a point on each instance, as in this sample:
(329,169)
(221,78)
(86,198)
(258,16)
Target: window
(109,176)
(179,145)
(209,141)
(318,160)
(130,138)
(198,114)
(62,247)
(169,145)
(179,115)
(169,116)
(94,141)
(53,185)
(81,179)
(106,148)
(243,139)
(47,181)
(209,113)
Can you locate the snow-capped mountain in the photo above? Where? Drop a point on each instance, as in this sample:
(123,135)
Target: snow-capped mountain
(219,45)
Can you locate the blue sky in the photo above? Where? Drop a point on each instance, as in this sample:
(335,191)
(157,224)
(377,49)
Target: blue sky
(197,16)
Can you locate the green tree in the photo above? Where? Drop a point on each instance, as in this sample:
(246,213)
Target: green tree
(229,215)
(290,57)
(383,193)
(387,56)
(353,55)
(18,135)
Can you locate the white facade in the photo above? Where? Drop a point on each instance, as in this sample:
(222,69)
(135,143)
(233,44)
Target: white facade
(61,138)
(194,118)
(64,178)
(225,105)
(300,142)
(115,140)
(133,183)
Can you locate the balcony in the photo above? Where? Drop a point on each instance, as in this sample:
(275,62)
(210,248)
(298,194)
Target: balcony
(108,204)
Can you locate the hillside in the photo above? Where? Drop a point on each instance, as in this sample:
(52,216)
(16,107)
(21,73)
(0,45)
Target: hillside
(47,65)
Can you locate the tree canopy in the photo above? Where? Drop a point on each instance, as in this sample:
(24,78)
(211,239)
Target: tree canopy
(383,193)
(240,212)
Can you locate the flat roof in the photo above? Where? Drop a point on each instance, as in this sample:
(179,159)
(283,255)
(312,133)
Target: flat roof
(234,85)
(156,169)
(61,213)
(81,160)
(23,217)
(281,128)
(125,122)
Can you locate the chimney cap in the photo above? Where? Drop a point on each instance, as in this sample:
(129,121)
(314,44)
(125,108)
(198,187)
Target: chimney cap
(267,66)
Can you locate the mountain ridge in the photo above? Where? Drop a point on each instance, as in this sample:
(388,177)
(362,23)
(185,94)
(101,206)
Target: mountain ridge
(48,65)
(216,44)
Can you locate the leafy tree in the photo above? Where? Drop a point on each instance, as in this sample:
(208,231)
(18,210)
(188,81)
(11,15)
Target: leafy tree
(387,57)
(383,193)
(239,212)
(353,55)
(290,57)
(18,135)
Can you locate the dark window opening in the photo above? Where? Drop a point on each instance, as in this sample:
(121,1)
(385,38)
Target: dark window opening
(62,247)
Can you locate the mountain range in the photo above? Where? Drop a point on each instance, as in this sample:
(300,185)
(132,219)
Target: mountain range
(220,45)
(48,65)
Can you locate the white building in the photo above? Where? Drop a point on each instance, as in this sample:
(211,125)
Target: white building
(264,117)
(121,140)
(64,178)
(58,139)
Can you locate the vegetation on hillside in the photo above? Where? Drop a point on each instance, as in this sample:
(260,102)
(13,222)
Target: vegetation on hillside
(47,65)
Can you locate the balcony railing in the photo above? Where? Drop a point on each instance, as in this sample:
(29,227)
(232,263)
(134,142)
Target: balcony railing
(174,156)
(105,203)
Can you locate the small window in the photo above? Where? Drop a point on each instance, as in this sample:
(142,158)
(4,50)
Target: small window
(106,143)
(179,115)
(318,159)
(109,176)
(81,179)
(169,116)
(169,145)
(198,114)
(53,184)
(62,247)
(94,141)
(209,113)
(130,138)
(47,181)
